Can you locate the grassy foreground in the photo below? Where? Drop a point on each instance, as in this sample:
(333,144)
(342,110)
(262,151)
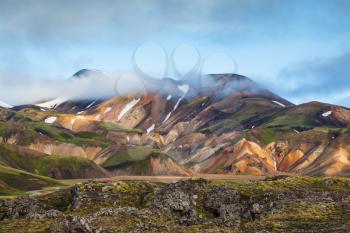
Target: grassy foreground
(278,204)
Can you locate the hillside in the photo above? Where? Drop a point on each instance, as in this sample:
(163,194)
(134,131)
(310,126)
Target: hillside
(16,182)
(222,123)
(142,161)
(54,166)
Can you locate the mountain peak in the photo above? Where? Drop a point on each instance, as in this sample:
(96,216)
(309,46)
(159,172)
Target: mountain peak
(84,73)
(230,77)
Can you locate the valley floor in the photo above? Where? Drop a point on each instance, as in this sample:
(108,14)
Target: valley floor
(171,179)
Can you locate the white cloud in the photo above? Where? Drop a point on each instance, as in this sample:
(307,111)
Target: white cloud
(24,90)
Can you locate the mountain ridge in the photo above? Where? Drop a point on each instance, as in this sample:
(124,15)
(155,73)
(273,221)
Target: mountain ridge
(221,126)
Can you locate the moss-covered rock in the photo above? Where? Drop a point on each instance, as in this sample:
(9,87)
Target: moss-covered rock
(281,204)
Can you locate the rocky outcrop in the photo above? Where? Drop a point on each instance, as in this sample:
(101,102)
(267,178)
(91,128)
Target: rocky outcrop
(73,224)
(293,204)
(28,207)
(179,200)
(225,204)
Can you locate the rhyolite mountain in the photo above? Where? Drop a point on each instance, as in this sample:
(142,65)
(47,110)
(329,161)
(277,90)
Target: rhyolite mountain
(221,123)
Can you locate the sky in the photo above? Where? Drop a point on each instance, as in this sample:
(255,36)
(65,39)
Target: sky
(298,49)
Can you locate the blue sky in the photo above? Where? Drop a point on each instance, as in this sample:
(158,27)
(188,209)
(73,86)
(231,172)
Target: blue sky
(298,49)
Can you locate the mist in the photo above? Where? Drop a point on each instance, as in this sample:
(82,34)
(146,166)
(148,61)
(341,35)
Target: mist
(31,90)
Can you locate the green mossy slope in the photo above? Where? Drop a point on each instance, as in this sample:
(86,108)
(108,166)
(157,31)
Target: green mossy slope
(15,181)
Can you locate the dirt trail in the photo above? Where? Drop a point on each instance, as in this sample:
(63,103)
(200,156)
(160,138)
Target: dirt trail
(171,179)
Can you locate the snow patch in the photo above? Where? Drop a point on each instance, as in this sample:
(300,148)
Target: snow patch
(184,88)
(296,131)
(42,109)
(167,117)
(169,97)
(151,128)
(280,104)
(108,109)
(326,114)
(92,103)
(50,120)
(53,103)
(128,107)
(178,102)
(78,113)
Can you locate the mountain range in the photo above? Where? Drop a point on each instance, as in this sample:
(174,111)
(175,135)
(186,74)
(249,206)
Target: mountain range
(217,124)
